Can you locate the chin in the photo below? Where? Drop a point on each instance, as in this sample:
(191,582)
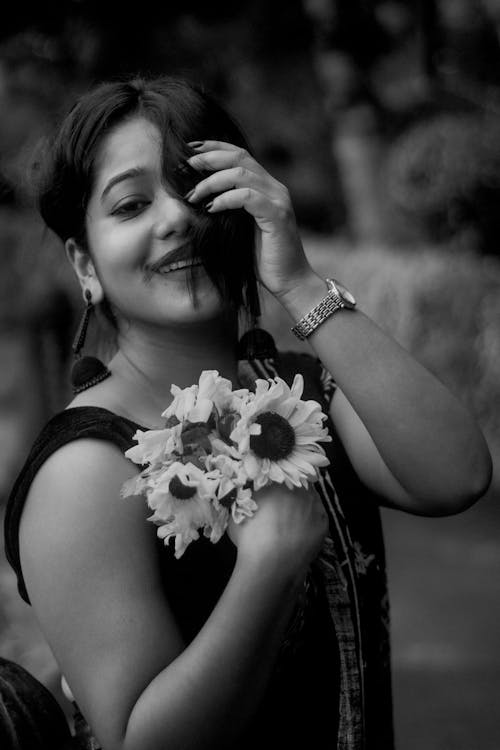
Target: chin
(199,316)
(171,305)
(204,307)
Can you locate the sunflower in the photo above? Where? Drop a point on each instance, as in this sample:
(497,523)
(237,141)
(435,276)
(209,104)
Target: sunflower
(235,500)
(220,446)
(197,402)
(234,494)
(155,446)
(277,435)
(180,497)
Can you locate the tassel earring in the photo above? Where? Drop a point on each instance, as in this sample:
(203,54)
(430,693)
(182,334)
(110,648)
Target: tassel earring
(86,371)
(257,356)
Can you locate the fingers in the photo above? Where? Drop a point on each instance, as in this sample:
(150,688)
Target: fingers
(202,147)
(239,181)
(218,155)
(255,202)
(227,179)
(317,502)
(210,145)
(223,156)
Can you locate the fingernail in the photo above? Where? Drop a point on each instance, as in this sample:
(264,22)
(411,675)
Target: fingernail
(189,194)
(208,205)
(182,168)
(195,144)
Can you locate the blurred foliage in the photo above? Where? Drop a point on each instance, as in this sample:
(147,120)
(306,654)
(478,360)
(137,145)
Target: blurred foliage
(381,118)
(255,57)
(297,74)
(442,307)
(444,174)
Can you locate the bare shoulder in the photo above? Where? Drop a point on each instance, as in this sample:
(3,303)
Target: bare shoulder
(74,482)
(74,510)
(90,563)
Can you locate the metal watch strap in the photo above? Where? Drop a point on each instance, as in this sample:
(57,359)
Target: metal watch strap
(321,312)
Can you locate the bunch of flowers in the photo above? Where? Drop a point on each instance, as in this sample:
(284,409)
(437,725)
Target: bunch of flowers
(218,448)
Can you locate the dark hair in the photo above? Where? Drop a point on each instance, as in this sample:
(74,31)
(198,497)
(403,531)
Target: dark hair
(183,112)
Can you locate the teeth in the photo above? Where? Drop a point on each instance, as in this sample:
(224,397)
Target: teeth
(179,264)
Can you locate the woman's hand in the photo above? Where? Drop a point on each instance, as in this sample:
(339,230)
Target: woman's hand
(239,181)
(287,531)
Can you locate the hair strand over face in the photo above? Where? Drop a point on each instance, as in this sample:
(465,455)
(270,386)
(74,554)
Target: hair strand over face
(182,112)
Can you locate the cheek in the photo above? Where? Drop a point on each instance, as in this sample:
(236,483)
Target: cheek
(117,248)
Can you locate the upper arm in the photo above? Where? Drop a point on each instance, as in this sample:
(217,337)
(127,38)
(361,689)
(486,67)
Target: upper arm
(89,559)
(364,455)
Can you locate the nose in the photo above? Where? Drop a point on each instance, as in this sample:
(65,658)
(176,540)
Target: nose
(173,216)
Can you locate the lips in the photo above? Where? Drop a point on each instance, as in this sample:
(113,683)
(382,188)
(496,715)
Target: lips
(181,257)
(188,263)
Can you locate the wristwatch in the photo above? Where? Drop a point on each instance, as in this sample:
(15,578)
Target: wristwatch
(337,298)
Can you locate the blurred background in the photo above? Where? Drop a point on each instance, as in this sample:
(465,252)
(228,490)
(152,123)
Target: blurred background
(383,119)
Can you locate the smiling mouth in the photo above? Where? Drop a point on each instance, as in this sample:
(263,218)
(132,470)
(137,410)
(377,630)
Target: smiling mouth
(174,260)
(178,265)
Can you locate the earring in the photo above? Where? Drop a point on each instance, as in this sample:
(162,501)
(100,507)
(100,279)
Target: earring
(87,371)
(257,356)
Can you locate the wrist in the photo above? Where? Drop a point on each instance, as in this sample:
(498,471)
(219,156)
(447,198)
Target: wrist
(271,570)
(337,298)
(299,299)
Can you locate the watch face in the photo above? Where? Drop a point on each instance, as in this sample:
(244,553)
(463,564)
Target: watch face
(346,295)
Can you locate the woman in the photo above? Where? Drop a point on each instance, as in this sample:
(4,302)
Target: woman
(277,635)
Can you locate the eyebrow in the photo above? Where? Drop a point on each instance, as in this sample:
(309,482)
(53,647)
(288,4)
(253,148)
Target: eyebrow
(121,176)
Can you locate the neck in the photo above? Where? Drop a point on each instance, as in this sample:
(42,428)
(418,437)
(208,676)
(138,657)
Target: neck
(149,362)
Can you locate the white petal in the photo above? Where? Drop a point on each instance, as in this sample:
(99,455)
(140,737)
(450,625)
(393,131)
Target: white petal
(297,386)
(286,408)
(276,473)
(201,412)
(134,486)
(251,465)
(260,481)
(303,440)
(304,412)
(291,473)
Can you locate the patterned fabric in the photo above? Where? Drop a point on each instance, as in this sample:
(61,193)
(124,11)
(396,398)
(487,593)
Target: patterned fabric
(352,566)
(349,575)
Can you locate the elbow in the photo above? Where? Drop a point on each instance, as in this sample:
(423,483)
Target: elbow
(479,478)
(464,491)
(479,482)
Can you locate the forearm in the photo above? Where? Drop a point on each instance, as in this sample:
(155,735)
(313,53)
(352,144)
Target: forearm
(426,438)
(205,697)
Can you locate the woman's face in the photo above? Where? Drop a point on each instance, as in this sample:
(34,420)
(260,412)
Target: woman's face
(133,221)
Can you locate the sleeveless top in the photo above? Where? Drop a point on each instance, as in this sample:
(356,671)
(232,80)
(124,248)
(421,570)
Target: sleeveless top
(331,687)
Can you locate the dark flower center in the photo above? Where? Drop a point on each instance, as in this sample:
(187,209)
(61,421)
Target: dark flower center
(228,499)
(277,438)
(179,490)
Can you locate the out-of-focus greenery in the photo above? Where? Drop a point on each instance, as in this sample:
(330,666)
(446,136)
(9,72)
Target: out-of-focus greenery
(381,118)
(442,306)
(444,174)
(376,116)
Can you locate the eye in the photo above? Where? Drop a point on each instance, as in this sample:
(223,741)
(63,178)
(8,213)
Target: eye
(130,207)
